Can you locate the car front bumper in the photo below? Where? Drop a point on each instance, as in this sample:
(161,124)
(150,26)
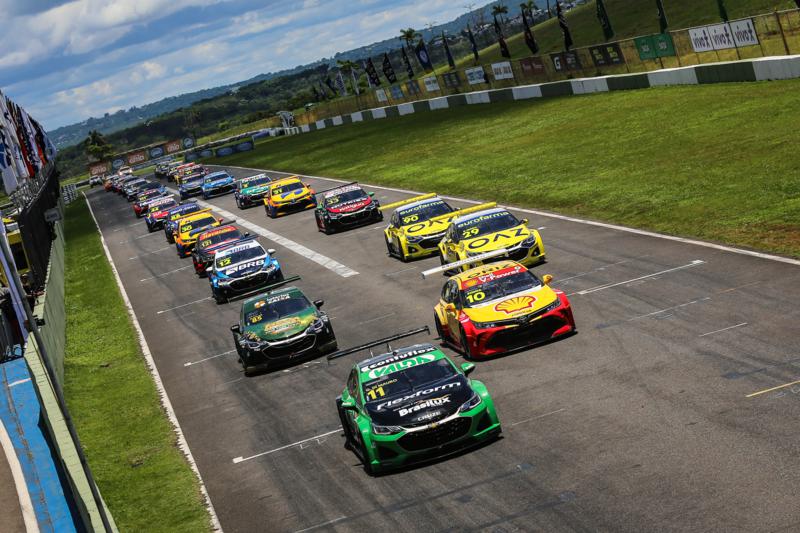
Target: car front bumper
(303,345)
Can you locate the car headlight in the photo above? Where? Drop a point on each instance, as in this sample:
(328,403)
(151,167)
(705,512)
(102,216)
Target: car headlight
(316,326)
(553,306)
(386,430)
(414,240)
(470,404)
(253,344)
(487,325)
(530,241)
(333,216)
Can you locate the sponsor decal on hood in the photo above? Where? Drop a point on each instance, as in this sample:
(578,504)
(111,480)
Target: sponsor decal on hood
(350,206)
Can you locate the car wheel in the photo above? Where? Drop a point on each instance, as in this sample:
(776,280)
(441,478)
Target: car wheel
(271,212)
(443,261)
(170,238)
(365,459)
(219,297)
(327,229)
(150,229)
(465,345)
(278,276)
(348,434)
(388,246)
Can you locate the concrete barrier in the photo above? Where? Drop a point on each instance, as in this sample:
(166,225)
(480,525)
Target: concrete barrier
(320,124)
(405,109)
(336,121)
(478,97)
(379,112)
(527,91)
(438,103)
(358,116)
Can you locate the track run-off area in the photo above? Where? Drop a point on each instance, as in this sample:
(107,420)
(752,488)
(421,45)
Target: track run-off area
(674,408)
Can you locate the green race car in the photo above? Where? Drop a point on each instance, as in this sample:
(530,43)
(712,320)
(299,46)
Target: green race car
(251,191)
(280,326)
(413,404)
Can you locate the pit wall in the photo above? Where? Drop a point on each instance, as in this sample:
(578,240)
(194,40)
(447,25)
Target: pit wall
(760,69)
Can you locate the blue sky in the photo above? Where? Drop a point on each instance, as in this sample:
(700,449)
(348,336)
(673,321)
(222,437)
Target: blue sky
(65,61)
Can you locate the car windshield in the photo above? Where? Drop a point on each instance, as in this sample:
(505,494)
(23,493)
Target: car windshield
(345,196)
(405,381)
(278,307)
(196,178)
(238,257)
(254,182)
(485,224)
(199,223)
(423,212)
(162,207)
(215,177)
(287,187)
(219,237)
(498,288)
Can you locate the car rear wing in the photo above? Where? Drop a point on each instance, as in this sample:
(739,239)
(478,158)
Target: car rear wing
(468,261)
(466,211)
(407,201)
(268,288)
(385,340)
(198,212)
(337,187)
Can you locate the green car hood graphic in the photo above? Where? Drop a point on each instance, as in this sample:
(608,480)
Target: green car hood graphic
(284,327)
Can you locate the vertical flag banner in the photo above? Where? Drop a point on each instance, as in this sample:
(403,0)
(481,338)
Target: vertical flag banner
(474,46)
(354,79)
(323,91)
(605,22)
(422,54)
(407,63)
(549,13)
(723,12)
(662,16)
(372,73)
(329,83)
(388,71)
(530,40)
(562,22)
(315,92)
(447,52)
(500,40)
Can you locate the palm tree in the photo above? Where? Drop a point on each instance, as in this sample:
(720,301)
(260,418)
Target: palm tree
(348,68)
(408,35)
(500,10)
(528,8)
(97,148)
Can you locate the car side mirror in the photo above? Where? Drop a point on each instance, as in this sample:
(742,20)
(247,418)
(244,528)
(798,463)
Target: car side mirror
(246,233)
(371,194)
(546,279)
(524,221)
(348,406)
(319,303)
(270,251)
(467,368)
(235,328)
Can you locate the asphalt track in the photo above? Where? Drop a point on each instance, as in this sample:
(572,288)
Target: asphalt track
(640,422)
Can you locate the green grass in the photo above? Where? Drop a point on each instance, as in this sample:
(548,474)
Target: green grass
(630,18)
(131,448)
(718,162)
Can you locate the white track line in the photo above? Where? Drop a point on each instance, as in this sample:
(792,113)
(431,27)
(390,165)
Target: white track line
(724,329)
(183,305)
(25,503)
(149,253)
(670,308)
(538,417)
(167,273)
(646,233)
(328,523)
(151,365)
(289,244)
(617,284)
(190,363)
(262,454)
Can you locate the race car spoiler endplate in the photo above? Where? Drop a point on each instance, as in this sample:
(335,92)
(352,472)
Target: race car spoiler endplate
(467,261)
(408,201)
(385,340)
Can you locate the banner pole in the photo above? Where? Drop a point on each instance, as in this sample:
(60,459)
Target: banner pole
(783,34)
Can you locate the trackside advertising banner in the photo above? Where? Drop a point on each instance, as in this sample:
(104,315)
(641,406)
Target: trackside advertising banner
(244,145)
(502,71)
(142,155)
(737,33)
(431,84)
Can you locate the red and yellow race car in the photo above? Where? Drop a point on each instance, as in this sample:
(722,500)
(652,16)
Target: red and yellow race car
(211,241)
(500,307)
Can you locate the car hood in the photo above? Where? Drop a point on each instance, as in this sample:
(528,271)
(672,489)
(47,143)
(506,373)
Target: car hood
(424,405)
(214,248)
(243,269)
(284,327)
(257,189)
(291,195)
(426,227)
(350,206)
(518,305)
(191,185)
(494,241)
(218,183)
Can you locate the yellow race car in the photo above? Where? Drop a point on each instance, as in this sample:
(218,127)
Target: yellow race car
(499,307)
(288,194)
(488,230)
(190,226)
(418,224)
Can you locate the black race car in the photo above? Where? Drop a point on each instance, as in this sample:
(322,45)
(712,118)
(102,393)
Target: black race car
(346,207)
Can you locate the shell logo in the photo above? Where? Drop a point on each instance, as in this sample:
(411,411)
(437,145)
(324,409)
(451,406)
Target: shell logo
(515,304)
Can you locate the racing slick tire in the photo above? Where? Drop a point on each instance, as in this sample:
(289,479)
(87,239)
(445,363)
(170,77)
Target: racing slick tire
(239,203)
(467,351)
(447,273)
(170,238)
(219,297)
(364,461)
(439,329)
(388,246)
(150,228)
(348,437)
(271,211)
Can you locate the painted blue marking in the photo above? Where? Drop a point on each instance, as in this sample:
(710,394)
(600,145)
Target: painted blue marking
(21,414)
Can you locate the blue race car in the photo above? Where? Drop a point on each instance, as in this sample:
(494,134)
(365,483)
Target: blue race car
(242,268)
(170,221)
(191,186)
(217,184)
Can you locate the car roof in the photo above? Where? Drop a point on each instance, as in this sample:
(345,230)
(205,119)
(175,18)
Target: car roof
(486,269)
(281,181)
(399,354)
(471,216)
(344,188)
(250,303)
(246,245)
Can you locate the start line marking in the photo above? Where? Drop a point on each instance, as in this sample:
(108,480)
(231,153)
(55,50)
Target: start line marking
(242,459)
(617,284)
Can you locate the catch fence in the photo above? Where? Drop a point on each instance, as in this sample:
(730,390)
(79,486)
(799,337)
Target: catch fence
(36,230)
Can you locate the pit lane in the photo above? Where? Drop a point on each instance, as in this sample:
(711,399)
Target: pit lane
(641,421)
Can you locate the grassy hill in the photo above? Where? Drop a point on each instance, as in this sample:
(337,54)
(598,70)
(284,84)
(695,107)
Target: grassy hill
(630,18)
(716,162)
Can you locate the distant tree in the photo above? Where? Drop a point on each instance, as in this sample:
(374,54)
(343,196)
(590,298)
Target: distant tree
(409,35)
(347,67)
(500,11)
(96,146)
(528,8)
